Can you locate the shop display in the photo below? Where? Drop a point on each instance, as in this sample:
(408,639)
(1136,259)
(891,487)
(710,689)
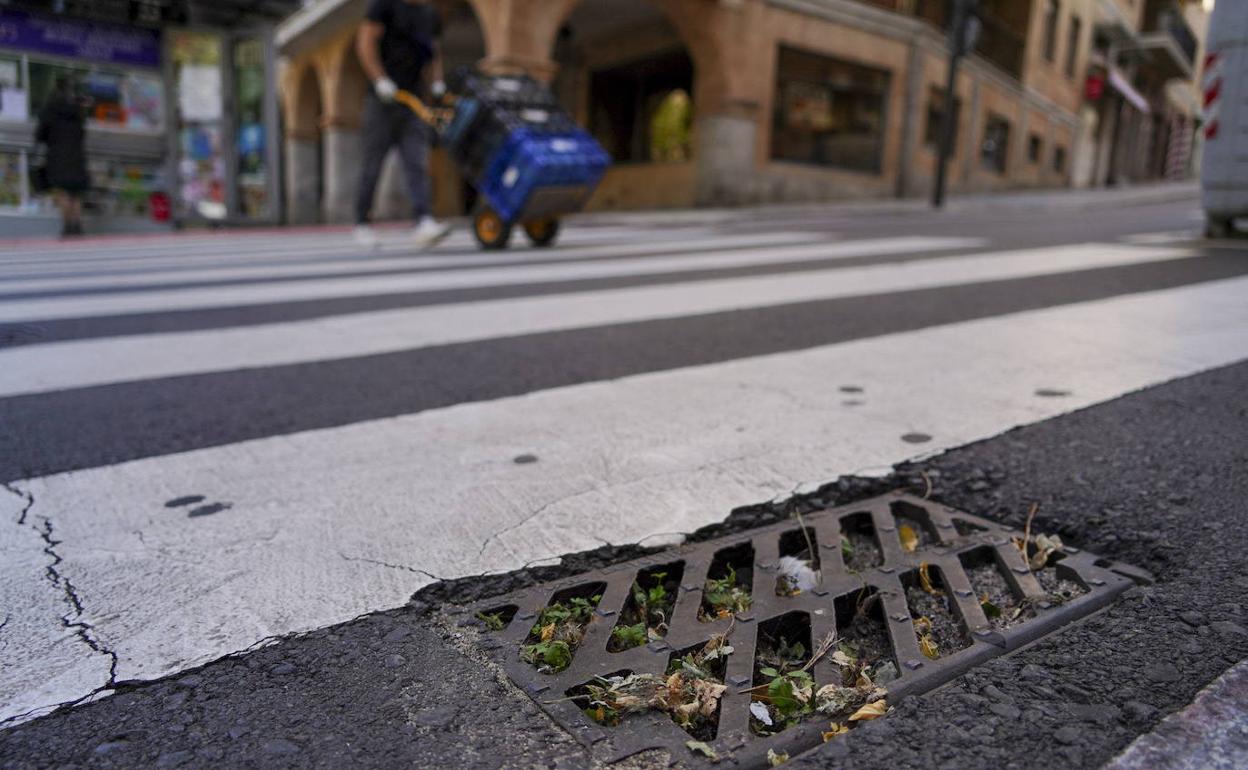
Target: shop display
(10,179)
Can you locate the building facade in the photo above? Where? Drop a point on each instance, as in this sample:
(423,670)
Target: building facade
(1141,103)
(727,102)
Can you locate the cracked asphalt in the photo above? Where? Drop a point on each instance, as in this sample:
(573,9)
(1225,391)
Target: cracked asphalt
(1156,478)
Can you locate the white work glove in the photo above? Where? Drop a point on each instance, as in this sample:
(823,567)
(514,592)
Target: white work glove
(438,89)
(385,89)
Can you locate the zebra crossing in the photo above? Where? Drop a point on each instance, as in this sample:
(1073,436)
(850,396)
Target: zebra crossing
(339,451)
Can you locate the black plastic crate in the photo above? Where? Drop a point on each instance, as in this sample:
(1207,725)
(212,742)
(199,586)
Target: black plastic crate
(502,91)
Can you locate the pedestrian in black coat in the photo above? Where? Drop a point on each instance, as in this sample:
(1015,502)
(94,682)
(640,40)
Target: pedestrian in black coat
(62,128)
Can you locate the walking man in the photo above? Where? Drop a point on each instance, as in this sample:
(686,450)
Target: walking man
(396,43)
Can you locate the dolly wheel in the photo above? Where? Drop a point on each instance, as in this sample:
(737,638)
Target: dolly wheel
(542,232)
(490,229)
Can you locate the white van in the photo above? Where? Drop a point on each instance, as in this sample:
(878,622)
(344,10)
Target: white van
(1224,168)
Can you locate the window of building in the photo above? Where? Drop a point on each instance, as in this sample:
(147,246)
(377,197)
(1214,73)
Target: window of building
(936,119)
(1035,146)
(995,149)
(113,97)
(1059,159)
(641,111)
(1073,33)
(829,112)
(1052,12)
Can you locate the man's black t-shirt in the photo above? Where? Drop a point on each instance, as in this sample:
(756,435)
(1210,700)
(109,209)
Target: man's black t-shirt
(407,43)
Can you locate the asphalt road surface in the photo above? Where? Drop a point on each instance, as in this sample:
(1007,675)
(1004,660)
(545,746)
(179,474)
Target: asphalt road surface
(209,443)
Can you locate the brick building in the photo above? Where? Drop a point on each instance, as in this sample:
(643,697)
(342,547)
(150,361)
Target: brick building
(708,102)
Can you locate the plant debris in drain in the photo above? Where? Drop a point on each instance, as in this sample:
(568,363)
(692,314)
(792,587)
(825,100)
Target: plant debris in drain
(760,645)
(559,629)
(688,692)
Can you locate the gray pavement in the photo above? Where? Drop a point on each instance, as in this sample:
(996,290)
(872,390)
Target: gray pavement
(219,450)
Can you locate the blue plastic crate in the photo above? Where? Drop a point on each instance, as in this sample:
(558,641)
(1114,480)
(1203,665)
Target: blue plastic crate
(535,174)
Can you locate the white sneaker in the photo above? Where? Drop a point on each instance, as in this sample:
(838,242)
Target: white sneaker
(428,232)
(366,236)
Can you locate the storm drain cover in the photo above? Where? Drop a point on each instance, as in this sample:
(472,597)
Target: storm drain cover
(785,636)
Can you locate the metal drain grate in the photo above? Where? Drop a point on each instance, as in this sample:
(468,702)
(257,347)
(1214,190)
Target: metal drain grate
(959,548)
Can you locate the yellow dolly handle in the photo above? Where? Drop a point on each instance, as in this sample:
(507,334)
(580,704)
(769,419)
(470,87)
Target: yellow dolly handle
(436,117)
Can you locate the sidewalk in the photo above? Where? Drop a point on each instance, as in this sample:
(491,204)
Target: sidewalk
(1020,200)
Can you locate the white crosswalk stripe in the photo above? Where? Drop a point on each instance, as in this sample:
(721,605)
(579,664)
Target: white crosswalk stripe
(326,524)
(66,365)
(291,291)
(175,271)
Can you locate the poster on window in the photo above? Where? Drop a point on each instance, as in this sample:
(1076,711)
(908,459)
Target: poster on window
(199,92)
(143,98)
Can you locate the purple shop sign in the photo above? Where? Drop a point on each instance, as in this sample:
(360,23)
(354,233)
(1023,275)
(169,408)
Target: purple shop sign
(74,38)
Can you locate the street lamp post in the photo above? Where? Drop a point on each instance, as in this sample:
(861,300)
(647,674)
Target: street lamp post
(963,32)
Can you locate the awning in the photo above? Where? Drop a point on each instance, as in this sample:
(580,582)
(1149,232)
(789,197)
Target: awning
(1124,87)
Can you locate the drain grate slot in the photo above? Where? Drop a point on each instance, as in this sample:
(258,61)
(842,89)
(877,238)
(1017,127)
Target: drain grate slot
(916,593)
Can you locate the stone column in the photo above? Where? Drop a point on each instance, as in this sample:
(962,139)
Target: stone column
(341,169)
(303,179)
(520,35)
(724,154)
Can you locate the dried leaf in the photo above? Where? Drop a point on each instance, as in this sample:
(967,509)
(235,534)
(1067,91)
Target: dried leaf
(548,632)
(925,580)
(927,646)
(870,711)
(708,694)
(775,759)
(909,538)
(1046,546)
(703,748)
(841,659)
(836,729)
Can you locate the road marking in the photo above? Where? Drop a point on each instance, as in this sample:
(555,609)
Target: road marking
(316,516)
(81,363)
(230,245)
(268,293)
(1166,238)
(176,272)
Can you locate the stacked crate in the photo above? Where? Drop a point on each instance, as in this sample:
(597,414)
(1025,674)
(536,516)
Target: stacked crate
(519,148)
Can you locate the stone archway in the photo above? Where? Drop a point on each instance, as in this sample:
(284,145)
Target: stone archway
(303,109)
(706,45)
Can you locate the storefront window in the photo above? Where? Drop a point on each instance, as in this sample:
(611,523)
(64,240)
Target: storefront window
(829,112)
(113,97)
(935,129)
(253,172)
(996,146)
(201,163)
